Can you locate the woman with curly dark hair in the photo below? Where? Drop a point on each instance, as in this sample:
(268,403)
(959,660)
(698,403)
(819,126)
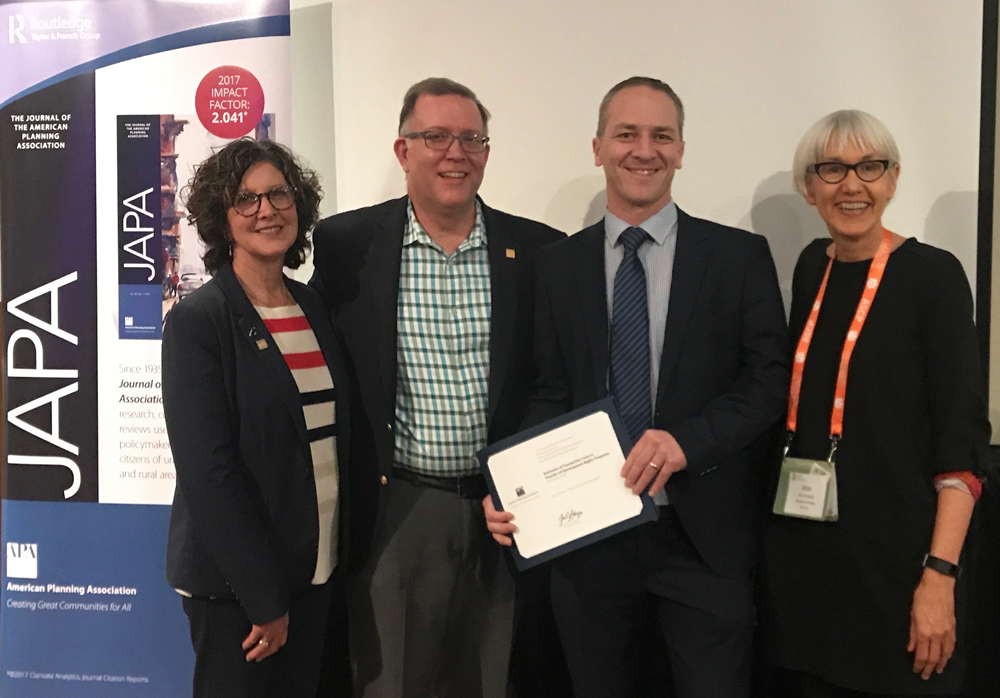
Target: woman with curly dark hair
(255,400)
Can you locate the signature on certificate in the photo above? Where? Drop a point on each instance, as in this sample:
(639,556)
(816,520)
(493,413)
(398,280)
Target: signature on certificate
(568,518)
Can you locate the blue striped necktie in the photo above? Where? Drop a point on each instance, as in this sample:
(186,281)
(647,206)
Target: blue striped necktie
(630,338)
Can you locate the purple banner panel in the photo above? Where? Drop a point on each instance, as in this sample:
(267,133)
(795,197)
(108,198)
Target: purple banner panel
(49,286)
(140,246)
(43,39)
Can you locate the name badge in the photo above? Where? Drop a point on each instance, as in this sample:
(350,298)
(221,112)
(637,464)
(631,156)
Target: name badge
(807,489)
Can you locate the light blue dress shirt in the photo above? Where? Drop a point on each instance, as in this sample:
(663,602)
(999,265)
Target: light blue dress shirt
(657,259)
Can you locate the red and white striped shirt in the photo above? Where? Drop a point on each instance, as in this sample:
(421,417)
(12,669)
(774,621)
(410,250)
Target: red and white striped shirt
(295,339)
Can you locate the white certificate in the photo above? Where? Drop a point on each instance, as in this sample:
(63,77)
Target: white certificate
(564,484)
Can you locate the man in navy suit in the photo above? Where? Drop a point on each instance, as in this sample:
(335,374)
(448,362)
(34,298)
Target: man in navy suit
(680,319)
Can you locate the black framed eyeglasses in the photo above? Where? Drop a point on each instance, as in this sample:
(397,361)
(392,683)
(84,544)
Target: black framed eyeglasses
(835,172)
(247,204)
(442,140)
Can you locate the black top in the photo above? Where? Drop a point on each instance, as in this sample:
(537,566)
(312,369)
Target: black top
(835,597)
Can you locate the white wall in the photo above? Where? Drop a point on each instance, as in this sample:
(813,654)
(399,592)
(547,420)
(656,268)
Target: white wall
(753,77)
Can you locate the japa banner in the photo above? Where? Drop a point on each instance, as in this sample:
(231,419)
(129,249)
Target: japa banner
(105,107)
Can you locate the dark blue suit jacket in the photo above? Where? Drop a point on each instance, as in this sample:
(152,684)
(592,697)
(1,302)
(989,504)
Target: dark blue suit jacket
(723,379)
(244,522)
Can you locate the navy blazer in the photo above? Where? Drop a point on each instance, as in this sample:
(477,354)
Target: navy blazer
(724,370)
(357,260)
(244,522)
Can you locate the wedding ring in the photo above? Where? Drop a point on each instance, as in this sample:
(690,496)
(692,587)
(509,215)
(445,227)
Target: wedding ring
(653,465)
(262,643)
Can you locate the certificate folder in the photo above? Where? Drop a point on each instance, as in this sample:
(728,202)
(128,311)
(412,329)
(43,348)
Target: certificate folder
(645,509)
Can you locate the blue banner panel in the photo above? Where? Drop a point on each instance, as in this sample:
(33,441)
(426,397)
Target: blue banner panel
(90,609)
(140,307)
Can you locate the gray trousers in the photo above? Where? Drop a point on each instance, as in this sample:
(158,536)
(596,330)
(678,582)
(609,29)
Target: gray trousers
(431,615)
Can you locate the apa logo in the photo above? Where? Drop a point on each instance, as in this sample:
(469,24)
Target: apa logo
(22,560)
(16,24)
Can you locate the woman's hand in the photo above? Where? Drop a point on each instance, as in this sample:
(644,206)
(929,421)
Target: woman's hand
(264,640)
(932,618)
(932,623)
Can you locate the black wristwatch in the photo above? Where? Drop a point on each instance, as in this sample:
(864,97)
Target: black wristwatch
(942,566)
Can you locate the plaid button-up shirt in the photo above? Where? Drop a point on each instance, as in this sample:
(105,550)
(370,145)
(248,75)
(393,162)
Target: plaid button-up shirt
(442,352)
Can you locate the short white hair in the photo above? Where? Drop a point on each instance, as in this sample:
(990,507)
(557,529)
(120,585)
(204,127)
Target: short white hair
(859,128)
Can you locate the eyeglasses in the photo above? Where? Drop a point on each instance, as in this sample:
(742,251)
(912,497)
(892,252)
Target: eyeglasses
(835,172)
(442,140)
(247,204)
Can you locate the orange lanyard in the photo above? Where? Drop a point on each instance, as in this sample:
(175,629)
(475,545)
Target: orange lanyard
(875,272)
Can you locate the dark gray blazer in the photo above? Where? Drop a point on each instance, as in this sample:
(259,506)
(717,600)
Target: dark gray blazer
(357,257)
(244,522)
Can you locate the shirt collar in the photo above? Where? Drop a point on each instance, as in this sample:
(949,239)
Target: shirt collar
(416,235)
(660,226)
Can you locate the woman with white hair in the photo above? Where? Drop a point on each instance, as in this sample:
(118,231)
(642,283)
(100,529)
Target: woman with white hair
(861,591)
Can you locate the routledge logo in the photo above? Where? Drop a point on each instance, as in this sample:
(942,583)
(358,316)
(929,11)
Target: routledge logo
(16,24)
(22,560)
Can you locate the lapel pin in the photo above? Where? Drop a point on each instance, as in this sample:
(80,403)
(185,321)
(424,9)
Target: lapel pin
(252,333)
(262,344)
(511,254)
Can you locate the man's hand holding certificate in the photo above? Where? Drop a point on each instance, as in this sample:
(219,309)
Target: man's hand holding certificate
(563,481)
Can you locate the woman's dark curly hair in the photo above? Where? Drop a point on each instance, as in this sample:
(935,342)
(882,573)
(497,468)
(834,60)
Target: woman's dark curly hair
(216,181)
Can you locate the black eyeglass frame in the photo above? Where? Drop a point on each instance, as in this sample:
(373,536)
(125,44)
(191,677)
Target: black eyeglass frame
(259,197)
(464,140)
(847,168)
